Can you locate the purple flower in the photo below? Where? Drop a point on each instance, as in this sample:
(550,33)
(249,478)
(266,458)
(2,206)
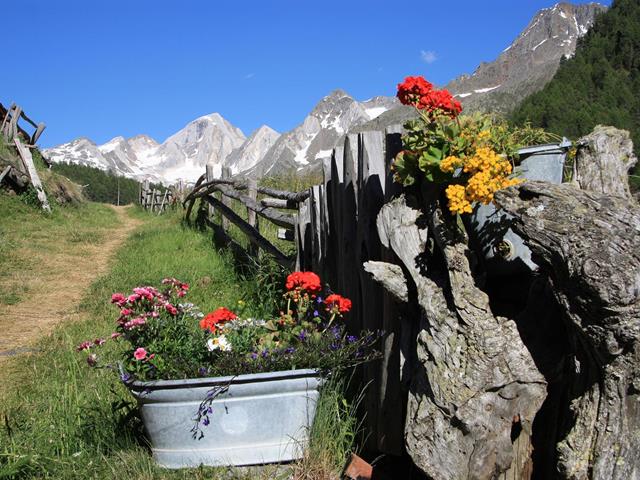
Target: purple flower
(205,422)
(265,353)
(290,350)
(202,371)
(302,335)
(315,313)
(334,346)
(254,355)
(319,299)
(352,338)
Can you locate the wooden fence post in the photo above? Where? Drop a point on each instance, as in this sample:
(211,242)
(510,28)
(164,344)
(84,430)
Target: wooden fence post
(25,154)
(252,217)
(226,173)
(209,177)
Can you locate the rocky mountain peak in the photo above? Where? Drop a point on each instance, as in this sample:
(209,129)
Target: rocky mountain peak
(529,62)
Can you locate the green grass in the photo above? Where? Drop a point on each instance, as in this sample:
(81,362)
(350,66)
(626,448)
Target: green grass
(62,420)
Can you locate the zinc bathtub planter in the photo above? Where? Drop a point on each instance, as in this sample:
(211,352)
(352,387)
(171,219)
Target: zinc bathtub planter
(255,419)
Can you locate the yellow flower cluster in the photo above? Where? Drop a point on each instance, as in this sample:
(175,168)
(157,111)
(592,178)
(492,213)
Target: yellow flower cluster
(488,173)
(457,197)
(450,164)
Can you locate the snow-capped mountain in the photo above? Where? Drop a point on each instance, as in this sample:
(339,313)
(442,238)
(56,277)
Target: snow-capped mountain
(529,62)
(252,150)
(208,139)
(319,133)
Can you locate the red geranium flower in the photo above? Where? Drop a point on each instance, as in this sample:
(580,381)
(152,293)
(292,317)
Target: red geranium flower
(413,89)
(213,319)
(337,301)
(308,281)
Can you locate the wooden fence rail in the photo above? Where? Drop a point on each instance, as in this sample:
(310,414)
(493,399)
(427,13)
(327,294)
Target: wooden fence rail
(155,200)
(268,208)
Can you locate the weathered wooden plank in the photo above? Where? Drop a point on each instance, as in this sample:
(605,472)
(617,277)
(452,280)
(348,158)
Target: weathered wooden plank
(279,203)
(303,234)
(192,200)
(274,216)
(164,199)
(36,135)
(252,218)
(210,176)
(25,154)
(252,234)
(226,173)
(5,172)
(207,187)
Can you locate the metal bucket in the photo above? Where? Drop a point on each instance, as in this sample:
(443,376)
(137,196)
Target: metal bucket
(504,252)
(259,418)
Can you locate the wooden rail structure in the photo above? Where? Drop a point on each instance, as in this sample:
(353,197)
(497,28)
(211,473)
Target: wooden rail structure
(156,200)
(10,128)
(336,233)
(217,193)
(21,176)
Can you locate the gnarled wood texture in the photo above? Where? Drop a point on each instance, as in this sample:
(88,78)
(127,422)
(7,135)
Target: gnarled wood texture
(476,382)
(589,245)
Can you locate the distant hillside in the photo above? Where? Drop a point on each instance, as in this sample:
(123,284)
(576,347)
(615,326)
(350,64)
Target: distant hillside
(599,85)
(99,185)
(529,62)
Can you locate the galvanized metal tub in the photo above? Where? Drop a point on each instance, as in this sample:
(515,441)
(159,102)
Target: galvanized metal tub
(503,251)
(259,418)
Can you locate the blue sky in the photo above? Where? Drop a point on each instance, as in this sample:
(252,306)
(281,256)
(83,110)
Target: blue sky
(104,68)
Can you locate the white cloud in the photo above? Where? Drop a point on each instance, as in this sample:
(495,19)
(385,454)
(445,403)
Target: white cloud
(428,56)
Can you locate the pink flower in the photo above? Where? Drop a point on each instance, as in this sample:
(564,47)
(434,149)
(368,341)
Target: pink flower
(140,354)
(136,322)
(144,292)
(125,312)
(98,341)
(84,346)
(115,335)
(118,298)
(133,298)
(182,293)
(171,309)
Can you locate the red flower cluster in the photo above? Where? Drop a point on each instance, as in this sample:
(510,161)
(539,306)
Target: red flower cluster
(337,301)
(418,92)
(413,89)
(221,315)
(308,281)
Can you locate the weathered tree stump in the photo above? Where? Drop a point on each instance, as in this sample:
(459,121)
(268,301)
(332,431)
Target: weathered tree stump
(603,161)
(589,246)
(476,390)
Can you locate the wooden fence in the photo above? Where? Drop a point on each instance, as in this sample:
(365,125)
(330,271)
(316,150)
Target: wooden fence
(218,193)
(336,234)
(21,176)
(156,199)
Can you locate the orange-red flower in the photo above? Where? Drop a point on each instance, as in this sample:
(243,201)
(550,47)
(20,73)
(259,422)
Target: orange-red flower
(308,281)
(420,93)
(213,319)
(337,301)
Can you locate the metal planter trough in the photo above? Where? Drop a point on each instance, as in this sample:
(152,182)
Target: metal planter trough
(254,419)
(504,252)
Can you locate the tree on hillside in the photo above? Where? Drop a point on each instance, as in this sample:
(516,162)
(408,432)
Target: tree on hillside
(599,85)
(101,186)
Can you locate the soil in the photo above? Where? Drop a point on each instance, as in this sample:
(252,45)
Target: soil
(56,288)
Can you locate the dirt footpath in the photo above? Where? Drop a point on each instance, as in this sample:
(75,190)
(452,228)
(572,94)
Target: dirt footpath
(56,287)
